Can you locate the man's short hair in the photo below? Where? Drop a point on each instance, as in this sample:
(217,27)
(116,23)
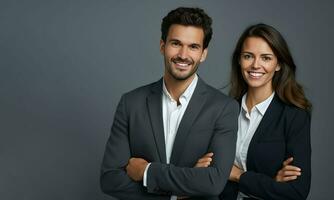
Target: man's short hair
(188,17)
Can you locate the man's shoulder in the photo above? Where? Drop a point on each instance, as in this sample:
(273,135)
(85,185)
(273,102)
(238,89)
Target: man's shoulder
(216,99)
(143,91)
(218,95)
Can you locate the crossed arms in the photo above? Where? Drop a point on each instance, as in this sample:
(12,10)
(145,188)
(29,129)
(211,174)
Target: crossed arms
(163,179)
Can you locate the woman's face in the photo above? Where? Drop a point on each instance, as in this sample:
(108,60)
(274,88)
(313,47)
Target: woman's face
(258,64)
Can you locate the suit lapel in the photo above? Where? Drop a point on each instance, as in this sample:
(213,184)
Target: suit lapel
(271,115)
(193,109)
(154,104)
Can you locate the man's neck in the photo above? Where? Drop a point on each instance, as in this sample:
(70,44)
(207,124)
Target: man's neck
(177,87)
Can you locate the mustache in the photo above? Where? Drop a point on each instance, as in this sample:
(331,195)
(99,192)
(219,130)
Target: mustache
(186,60)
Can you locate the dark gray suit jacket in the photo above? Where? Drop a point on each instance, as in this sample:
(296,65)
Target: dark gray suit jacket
(209,124)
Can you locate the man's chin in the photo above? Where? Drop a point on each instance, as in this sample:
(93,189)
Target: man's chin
(182,77)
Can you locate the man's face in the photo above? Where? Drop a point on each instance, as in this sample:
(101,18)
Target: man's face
(183,51)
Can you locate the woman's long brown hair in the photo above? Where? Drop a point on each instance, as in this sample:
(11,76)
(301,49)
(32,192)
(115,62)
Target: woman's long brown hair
(284,81)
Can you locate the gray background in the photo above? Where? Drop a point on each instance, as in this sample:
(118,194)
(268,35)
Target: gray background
(65,64)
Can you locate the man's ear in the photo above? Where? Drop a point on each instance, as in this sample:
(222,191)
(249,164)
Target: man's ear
(162,46)
(204,54)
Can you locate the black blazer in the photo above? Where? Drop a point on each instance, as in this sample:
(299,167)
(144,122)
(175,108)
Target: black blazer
(209,124)
(283,132)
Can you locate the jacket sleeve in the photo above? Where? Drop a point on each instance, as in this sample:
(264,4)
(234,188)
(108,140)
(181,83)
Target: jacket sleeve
(210,181)
(299,147)
(114,179)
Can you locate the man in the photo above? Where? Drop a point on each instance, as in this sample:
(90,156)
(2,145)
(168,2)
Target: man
(160,130)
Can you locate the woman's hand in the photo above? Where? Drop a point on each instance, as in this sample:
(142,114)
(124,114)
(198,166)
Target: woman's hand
(288,172)
(235,173)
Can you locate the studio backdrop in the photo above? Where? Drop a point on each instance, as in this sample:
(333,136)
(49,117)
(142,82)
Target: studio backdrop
(64,65)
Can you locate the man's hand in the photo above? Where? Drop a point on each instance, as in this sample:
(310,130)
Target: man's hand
(136,168)
(288,172)
(205,161)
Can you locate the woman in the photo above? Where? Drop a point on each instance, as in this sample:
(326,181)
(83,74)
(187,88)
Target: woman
(273,154)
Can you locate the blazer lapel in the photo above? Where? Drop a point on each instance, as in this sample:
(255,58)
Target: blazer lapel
(272,114)
(154,104)
(194,107)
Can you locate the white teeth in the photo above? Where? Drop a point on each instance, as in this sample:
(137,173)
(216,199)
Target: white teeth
(256,74)
(182,64)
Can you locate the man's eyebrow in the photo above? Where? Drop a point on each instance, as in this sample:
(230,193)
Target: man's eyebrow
(174,40)
(195,44)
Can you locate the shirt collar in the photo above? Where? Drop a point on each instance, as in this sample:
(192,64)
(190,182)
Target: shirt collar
(186,95)
(261,107)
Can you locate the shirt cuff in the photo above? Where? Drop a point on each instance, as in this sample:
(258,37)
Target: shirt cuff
(145,175)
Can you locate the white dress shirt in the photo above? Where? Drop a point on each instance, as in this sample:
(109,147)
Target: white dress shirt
(247,125)
(172,115)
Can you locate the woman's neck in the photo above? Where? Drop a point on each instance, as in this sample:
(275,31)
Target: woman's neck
(256,96)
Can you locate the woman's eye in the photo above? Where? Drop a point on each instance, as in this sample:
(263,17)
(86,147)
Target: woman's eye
(246,56)
(266,58)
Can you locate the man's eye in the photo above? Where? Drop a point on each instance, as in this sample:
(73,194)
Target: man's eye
(194,47)
(175,44)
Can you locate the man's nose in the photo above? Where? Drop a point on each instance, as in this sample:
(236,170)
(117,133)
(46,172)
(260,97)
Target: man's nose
(183,52)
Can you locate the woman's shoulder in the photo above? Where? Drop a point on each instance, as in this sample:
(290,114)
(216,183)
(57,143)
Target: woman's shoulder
(291,111)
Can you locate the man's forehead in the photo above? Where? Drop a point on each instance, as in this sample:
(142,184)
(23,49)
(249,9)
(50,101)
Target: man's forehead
(189,34)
